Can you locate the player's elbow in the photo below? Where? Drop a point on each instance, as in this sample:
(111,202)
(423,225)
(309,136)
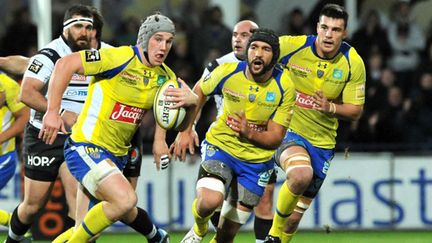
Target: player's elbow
(26,93)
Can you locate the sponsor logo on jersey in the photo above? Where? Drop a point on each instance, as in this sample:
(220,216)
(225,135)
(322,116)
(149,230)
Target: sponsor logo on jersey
(134,155)
(93,152)
(35,66)
(271,96)
(129,78)
(161,79)
(337,74)
(304,100)
(76,92)
(207,77)
(251,88)
(39,161)
(360,92)
(264,177)
(92,55)
(232,95)
(128,114)
(78,77)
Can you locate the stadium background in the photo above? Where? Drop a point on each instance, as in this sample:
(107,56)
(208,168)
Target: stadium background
(378,190)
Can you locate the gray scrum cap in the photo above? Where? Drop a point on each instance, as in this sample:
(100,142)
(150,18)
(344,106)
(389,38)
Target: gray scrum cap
(153,23)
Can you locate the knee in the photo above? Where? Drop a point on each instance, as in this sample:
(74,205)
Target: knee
(126,202)
(207,205)
(30,208)
(299,179)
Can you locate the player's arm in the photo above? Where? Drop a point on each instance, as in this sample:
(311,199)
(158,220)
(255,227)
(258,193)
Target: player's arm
(64,69)
(160,148)
(345,111)
(184,139)
(353,94)
(269,139)
(2,95)
(14,64)
(17,127)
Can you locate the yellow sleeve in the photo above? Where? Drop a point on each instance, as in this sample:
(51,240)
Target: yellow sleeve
(290,43)
(11,89)
(105,59)
(210,84)
(285,110)
(354,91)
(1,87)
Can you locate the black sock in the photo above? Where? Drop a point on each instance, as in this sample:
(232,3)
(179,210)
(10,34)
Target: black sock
(17,229)
(69,222)
(262,227)
(142,223)
(215,218)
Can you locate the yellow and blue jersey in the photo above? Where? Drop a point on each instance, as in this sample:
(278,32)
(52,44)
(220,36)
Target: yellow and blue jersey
(12,105)
(118,97)
(341,78)
(261,102)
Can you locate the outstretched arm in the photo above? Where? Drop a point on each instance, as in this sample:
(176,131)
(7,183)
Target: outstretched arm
(14,64)
(64,69)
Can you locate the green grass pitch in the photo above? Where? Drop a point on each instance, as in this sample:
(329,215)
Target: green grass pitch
(301,237)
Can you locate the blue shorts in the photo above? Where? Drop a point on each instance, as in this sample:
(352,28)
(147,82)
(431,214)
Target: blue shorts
(8,164)
(80,157)
(253,176)
(320,157)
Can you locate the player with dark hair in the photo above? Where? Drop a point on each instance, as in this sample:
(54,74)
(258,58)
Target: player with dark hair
(329,77)
(236,154)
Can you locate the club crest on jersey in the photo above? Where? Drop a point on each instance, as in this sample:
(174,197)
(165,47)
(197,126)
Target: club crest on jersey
(337,73)
(35,66)
(320,73)
(211,150)
(207,77)
(161,80)
(251,97)
(92,55)
(271,96)
(127,114)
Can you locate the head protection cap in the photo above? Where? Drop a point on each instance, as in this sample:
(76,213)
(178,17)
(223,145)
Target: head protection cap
(152,24)
(269,37)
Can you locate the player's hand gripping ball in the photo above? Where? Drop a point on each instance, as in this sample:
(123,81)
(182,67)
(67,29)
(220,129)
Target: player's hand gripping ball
(167,118)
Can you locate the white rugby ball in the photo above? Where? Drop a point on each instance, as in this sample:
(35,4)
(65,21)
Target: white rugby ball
(167,118)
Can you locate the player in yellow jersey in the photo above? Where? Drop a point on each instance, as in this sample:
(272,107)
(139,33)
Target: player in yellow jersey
(329,77)
(237,152)
(125,84)
(188,139)
(13,118)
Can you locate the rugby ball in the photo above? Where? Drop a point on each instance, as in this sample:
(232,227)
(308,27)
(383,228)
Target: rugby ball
(167,118)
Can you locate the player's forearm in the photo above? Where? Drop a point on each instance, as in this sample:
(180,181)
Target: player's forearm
(346,111)
(267,139)
(195,111)
(31,95)
(14,64)
(17,127)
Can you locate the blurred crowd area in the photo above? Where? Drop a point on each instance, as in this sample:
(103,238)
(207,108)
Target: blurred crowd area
(396,49)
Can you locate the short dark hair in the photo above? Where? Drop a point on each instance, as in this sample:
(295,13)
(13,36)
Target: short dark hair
(79,9)
(334,11)
(98,22)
